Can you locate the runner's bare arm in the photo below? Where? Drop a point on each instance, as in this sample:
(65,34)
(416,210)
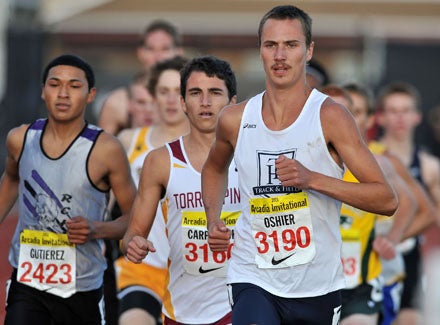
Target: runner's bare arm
(431,177)
(152,187)
(426,211)
(10,179)
(385,244)
(215,176)
(407,202)
(373,193)
(108,167)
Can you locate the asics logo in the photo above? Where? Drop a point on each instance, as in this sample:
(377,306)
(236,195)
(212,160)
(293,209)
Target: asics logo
(249,126)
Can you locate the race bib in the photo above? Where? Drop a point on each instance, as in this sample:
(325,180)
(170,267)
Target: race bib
(198,259)
(47,262)
(351,257)
(282,230)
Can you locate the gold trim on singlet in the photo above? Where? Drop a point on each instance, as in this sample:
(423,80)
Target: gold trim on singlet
(140,145)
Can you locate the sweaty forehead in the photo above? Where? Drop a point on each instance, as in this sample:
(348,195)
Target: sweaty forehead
(282,30)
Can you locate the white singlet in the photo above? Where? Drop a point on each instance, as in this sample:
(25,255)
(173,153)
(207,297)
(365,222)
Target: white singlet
(288,241)
(197,292)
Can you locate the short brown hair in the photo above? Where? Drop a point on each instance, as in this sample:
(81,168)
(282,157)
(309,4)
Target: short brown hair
(175,63)
(399,87)
(288,12)
(165,26)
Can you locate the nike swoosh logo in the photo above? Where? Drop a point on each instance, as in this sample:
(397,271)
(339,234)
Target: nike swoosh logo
(276,262)
(202,270)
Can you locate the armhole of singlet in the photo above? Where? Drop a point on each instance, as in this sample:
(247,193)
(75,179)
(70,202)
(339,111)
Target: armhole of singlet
(93,135)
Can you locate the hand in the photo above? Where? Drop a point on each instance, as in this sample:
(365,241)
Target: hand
(291,172)
(218,237)
(139,247)
(384,247)
(80,230)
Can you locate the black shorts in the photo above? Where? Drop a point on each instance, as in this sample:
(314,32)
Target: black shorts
(365,299)
(140,297)
(27,305)
(412,284)
(253,305)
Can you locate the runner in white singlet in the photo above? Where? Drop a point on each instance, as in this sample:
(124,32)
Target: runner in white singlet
(290,144)
(196,289)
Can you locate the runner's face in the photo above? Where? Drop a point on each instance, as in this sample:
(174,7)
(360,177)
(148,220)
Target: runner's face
(158,46)
(399,115)
(66,93)
(204,98)
(284,51)
(142,106)
(167,97)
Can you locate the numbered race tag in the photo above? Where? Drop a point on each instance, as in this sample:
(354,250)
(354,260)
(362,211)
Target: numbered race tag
(47,262)
(282,230)
(351,257)
(198,259)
